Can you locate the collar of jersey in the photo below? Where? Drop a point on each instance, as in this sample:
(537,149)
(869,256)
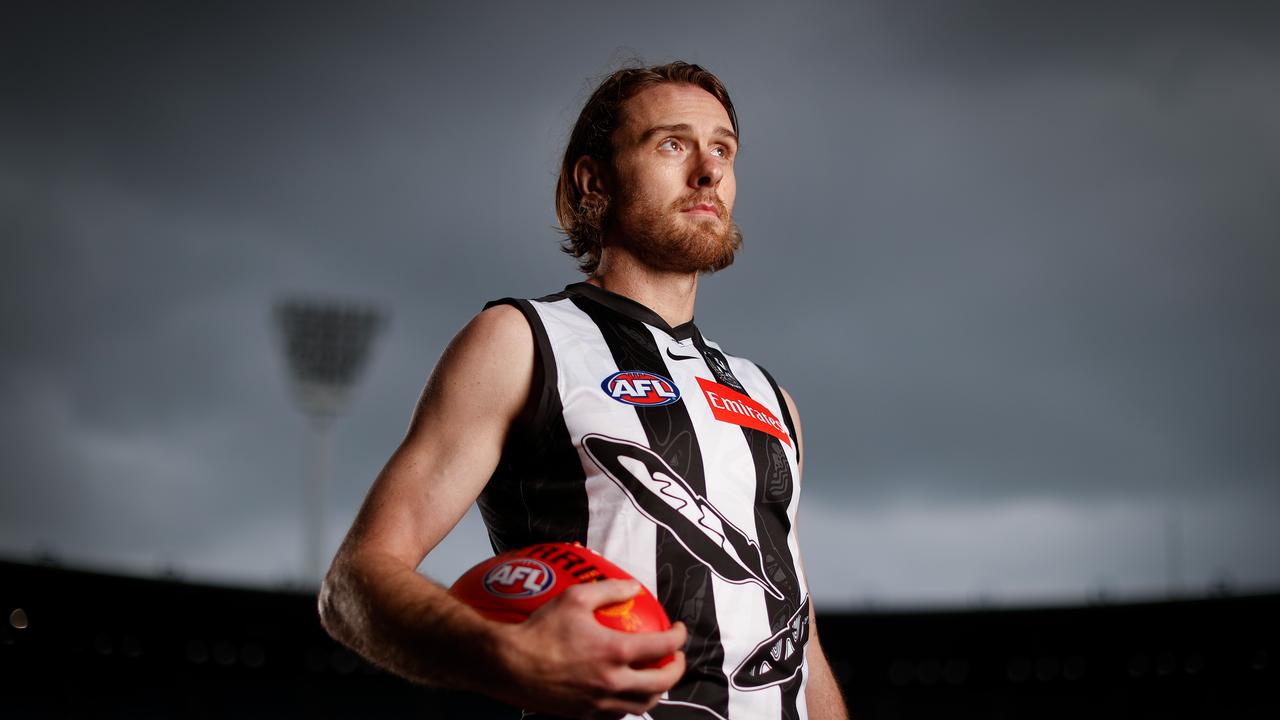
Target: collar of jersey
(627,307)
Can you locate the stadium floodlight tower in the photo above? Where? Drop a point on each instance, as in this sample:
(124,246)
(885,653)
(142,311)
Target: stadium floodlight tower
(326,345)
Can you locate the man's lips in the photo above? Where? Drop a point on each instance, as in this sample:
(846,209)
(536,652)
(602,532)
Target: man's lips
(703,209)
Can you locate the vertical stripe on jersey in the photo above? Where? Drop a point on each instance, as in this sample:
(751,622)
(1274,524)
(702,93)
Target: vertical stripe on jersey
(774,488)
(684,583)
(786,411)
(540,476)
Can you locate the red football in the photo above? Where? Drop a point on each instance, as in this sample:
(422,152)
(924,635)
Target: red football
(510,586)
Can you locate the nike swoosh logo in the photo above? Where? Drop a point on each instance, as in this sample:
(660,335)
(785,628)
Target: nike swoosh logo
(680,357)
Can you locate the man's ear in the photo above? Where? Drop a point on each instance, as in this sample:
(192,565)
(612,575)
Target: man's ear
(590,176)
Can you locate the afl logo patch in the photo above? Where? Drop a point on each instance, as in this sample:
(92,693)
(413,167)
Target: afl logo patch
(635,387)
(519,578)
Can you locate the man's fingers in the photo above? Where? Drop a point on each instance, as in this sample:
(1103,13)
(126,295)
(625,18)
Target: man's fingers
(655,681)
(650,646)
(604,592)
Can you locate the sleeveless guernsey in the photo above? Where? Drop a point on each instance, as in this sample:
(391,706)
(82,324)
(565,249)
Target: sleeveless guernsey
(676,461)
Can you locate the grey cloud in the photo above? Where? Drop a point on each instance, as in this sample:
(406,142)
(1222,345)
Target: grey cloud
(999,253)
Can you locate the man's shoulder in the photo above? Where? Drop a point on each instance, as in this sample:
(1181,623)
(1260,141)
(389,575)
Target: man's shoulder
(535,312)
(498,327)
(519,302)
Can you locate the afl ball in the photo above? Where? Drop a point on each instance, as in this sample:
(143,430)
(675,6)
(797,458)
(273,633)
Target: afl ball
(511,586)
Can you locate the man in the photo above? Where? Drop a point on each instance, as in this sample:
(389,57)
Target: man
(601,415)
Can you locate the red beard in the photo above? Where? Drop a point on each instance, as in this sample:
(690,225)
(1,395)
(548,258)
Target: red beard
(663,239)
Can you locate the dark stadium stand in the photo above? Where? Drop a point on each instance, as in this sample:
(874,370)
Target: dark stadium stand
(77,644)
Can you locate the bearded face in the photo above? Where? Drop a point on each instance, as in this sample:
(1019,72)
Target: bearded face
(671,185)
(678,236)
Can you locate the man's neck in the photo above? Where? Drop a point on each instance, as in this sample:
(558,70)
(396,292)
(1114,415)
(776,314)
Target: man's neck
(669,294)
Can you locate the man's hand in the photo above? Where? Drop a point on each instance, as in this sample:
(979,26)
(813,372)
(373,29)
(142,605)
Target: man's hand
(562,661)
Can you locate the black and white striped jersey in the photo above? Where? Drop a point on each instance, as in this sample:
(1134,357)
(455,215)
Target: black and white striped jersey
(677,462)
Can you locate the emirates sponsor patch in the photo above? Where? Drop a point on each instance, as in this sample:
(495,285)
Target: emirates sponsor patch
(729,405)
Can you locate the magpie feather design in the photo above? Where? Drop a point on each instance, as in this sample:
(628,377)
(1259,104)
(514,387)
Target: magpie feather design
(664,497)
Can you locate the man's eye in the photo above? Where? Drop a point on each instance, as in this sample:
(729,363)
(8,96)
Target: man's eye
(720,151)
(670,144)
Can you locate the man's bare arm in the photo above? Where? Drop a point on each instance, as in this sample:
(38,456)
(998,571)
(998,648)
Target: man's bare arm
(373,600)
(822,693)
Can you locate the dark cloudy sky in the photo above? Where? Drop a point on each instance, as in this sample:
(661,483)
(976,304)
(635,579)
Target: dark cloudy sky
(1018,263)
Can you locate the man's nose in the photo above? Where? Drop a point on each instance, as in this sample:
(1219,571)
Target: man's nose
(708,173)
